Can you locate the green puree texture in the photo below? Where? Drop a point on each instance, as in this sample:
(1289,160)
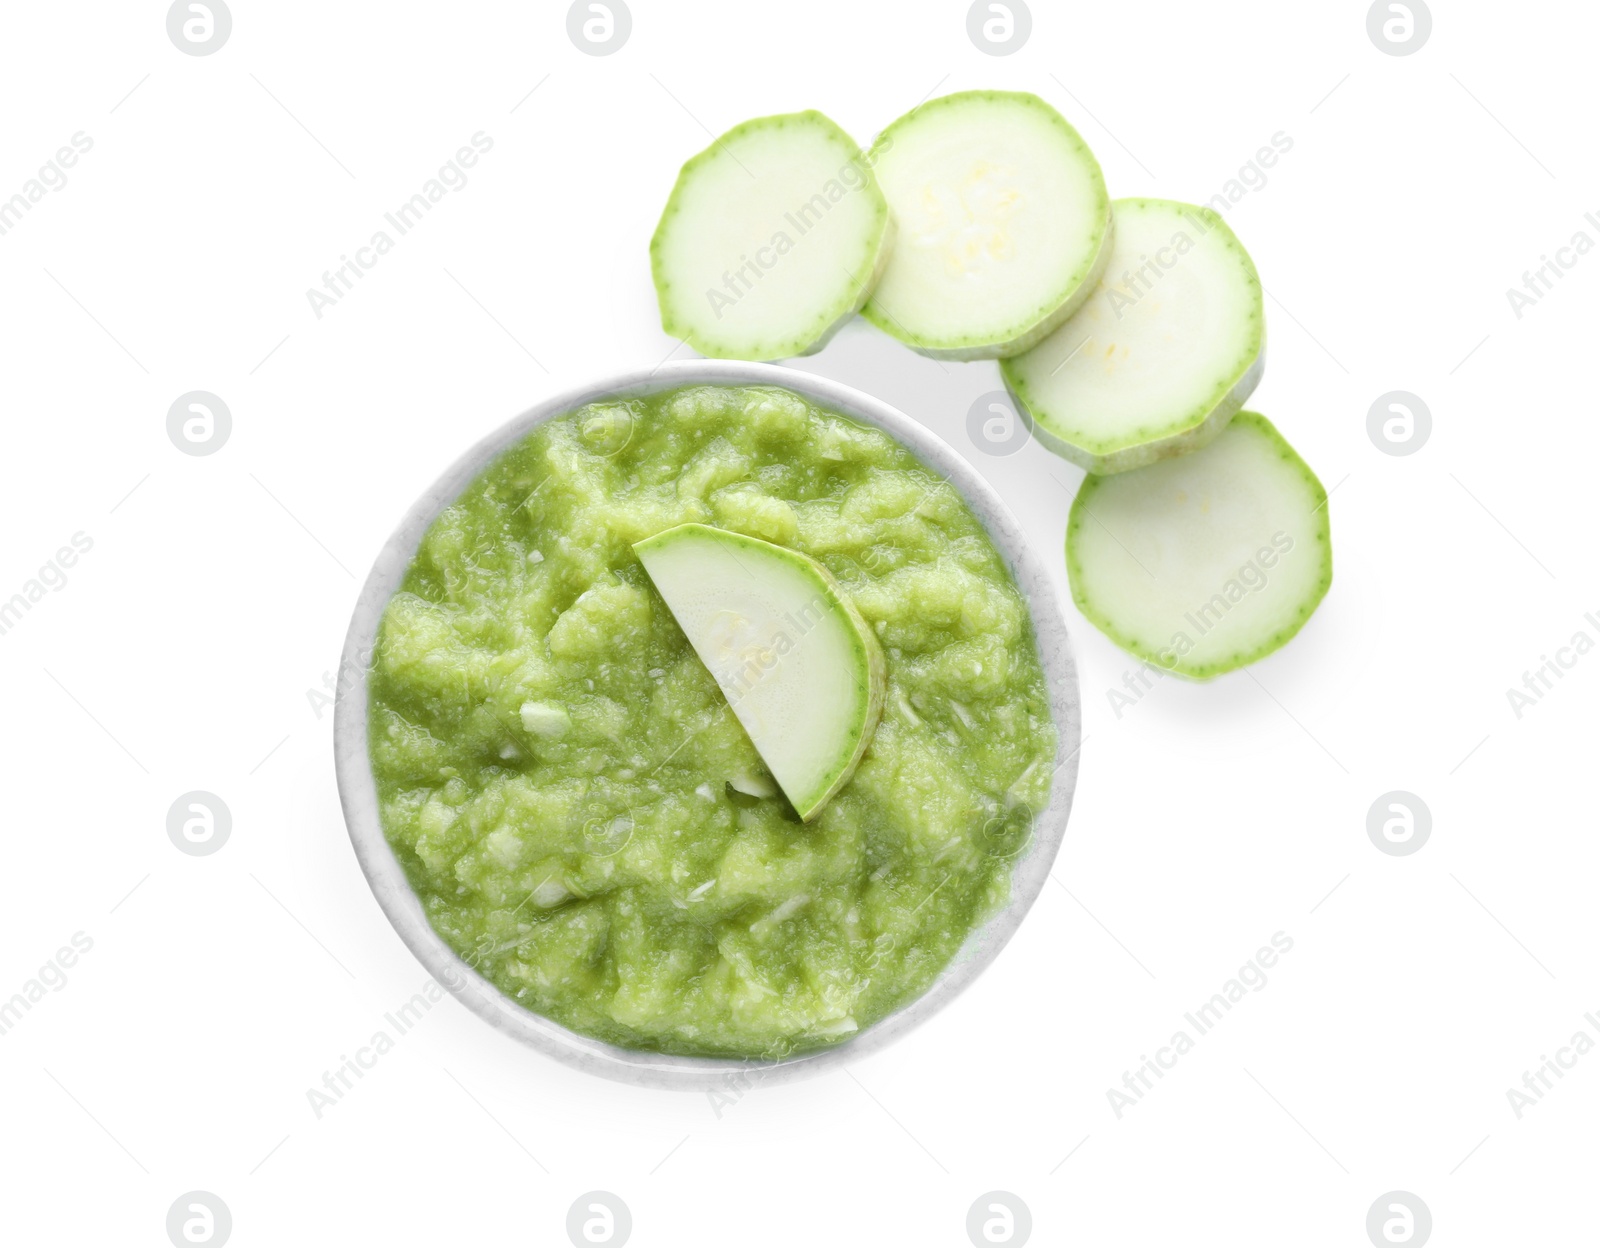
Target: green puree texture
(602,870)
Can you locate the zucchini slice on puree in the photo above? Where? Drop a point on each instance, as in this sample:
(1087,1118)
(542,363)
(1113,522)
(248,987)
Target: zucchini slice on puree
(1160,357)
(1206,562)
(772,239)
(798,665)
(1003,224)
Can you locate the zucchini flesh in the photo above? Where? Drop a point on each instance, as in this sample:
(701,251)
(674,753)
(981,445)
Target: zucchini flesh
(1156,362)
(1203,563)
(771,240)
(1003,224)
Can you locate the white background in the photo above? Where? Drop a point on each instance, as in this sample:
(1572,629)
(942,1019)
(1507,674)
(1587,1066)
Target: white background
(180,653)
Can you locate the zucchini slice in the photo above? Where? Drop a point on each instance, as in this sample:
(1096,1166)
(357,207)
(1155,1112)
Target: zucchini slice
(1205,562)
(1160,357)
(771,240)
(800,668)
(1003,224)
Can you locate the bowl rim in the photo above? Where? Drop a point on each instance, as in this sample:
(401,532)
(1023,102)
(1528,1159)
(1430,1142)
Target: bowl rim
(403,908)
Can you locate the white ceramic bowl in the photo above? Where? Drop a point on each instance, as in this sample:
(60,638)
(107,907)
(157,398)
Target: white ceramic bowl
(358,792)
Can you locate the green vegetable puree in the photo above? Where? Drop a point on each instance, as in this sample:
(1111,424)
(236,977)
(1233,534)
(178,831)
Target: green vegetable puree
(577,806)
